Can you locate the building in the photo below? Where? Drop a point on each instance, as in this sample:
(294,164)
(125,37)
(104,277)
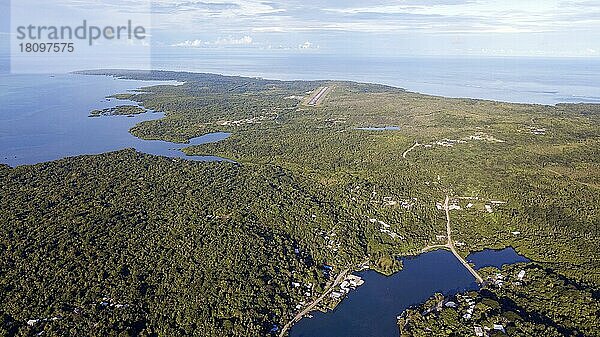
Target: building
(450,304)
(336,295)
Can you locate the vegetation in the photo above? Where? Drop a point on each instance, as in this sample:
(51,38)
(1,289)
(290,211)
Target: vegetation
(209,248)
(542,303)
(118,110)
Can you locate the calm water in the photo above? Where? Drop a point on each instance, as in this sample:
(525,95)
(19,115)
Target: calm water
(44,118)
(496,258)
(371,310)
(527,80)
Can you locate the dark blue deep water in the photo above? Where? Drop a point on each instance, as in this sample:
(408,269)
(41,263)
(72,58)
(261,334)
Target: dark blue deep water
(496,258)
(371,309)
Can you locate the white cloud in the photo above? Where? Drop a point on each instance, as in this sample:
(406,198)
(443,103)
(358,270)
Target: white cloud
(269,29)
(429,16)
(552,25)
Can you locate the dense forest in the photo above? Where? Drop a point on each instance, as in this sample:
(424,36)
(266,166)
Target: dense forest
(131,244)
(519,300)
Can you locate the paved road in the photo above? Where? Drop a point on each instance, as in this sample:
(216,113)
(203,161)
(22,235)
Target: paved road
(450,244)
(338,280)
(316,100)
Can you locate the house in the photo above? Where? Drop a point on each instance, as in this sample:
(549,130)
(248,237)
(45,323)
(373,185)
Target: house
(336,295)
(488,208)
(539,131)
(384,224)
(450,304)
(478,331)
(499,327)
(295,284)
(521,275)
(355,281)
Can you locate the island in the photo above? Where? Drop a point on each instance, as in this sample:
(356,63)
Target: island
(119,110)
(126,243)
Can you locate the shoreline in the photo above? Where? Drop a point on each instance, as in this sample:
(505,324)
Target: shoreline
(330,79)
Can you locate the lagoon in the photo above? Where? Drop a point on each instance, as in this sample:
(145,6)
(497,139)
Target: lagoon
(45,118)
(496,258)
(371,309)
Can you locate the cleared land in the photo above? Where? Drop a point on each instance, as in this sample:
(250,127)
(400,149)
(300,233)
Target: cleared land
(218,249)
(320,95)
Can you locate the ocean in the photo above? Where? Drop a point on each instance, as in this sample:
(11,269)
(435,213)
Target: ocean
(520,80)
(44,117)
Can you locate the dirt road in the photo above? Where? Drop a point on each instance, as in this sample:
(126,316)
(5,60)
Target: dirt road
(410,149)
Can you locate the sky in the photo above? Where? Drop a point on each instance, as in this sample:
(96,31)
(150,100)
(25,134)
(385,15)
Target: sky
(547,28)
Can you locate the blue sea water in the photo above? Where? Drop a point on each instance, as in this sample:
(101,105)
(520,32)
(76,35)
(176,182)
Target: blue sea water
(44,117)
(521,80)
(371,310)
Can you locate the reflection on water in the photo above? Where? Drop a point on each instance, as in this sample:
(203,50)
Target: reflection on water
(496,258)
(371,310)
